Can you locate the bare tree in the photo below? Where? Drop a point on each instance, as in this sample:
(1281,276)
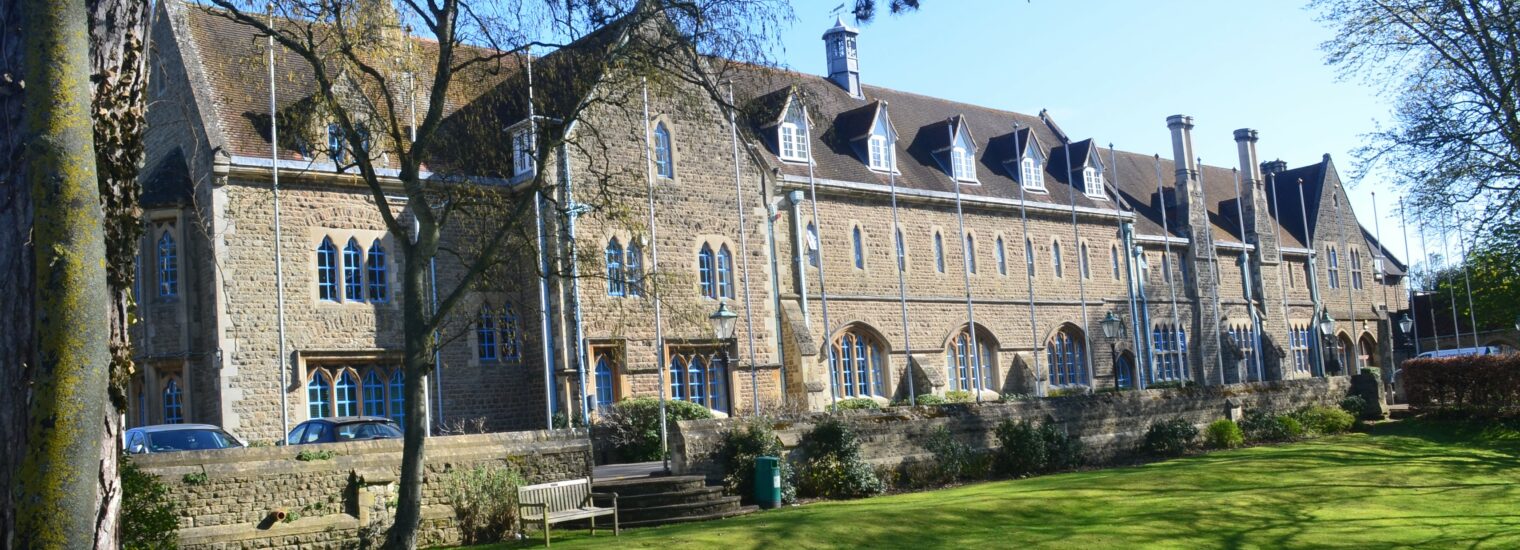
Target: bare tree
(463,203)
(1453,69)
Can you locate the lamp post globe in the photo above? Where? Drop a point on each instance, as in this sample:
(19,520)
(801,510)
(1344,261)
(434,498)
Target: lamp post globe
(1406,324)
(1326,324)
(1112,325)
(723,322)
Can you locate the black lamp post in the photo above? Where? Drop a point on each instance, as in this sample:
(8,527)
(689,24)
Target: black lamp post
(1112,327)
(1326,328)
(723,329)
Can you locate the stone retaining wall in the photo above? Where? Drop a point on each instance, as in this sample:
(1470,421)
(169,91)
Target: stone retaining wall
(225,497)
(1110,424)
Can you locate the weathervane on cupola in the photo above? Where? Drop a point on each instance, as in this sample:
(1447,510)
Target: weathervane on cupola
(844,66)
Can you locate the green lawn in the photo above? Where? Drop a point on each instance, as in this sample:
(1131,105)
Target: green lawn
(1405,485)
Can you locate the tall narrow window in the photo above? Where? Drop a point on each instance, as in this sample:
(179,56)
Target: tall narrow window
(962,165)
(1166,266)
(379,283)
(717,387)
(880,157)
(510,342)
(705,272)
(860,248)
(353,283)
(725,273)
(398,397)
(696,380)
(812,244)
(374,393)
(902,252)
(1029,256)
(318,396)
(1055,258)
(1002,257)
(634,267)
(1170,352)
(939,253)
(970,252)
(335,143)
(1356,269)
(663,159)
(1334,268)
(1113,258)
(168,266)
(347,395)
(1082,261)
(616,280)
(1031,174)
(1067,356)
(604,382)
(485,336)
(327,271)
(677,374)
(523,155)
(174,403)
(1092,183)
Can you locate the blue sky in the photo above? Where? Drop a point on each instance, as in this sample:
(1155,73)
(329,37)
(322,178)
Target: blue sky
(1114,70)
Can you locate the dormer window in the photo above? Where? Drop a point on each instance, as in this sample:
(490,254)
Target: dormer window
(1093,182)
(961,154)
(792,135)
(881,156)
(522,152)
(960,165)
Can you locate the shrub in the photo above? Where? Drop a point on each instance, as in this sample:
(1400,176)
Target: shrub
(831,464)
(1291,427)
(1223,434)
(633,425)
(1354,404)
(952,459)
(1484,384)
(926,399)
(195,478)
(958,396)
(1012,397)
(1022,451)
(310,455)
(1170,437)
(737,453)
(856,404)
(1062,451)
(1067,392)
(148,518)
(484,498)
(1322,420)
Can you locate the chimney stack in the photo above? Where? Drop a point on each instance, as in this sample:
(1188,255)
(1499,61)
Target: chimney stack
(1250,169)
(844,67)
(1274,166)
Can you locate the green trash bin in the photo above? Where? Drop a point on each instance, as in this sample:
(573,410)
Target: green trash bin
(767,482)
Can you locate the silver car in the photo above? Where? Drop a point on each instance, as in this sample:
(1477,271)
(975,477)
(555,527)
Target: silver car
(168,438)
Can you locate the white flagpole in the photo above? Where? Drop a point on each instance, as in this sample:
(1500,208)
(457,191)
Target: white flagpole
(655,290)
(823,289)
(1167,264)
(749,324)
(974,355)
(279,270)
(1409,267)
(1034,327)
(1472,312)
(900,250)
(1084,266)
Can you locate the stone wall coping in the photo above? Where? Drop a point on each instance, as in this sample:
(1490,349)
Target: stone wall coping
(353,454)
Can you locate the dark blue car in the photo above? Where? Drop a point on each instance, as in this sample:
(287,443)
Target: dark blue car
(343,428)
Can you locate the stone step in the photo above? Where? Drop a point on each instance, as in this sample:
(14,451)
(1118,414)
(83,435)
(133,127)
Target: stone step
(636,486)
(719,505)
(700,494)
(739,511)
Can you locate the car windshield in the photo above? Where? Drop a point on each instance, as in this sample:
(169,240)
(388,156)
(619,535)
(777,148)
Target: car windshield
(367,430)
(188,440)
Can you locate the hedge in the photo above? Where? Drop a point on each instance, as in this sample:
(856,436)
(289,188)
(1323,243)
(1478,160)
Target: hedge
(1483,383)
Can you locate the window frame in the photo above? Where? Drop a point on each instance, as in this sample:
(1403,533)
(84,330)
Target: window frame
(939,252)
(664,152)
(167,254)
(377,280)
(524,154)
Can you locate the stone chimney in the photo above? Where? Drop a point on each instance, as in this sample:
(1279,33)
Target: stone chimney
(844,66)
(1203,286)
(1182,147)
(1261,230)
(1245,143)
(1274,166)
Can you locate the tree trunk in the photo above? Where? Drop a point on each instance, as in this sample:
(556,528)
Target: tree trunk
(57,491)
(16,277)
(416,363)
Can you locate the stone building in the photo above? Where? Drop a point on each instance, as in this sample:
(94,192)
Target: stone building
(872,242)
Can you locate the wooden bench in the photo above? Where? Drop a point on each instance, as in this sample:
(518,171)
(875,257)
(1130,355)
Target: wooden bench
(563,501)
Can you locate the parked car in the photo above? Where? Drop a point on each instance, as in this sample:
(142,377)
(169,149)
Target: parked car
(344,428)
(165,438)
(1458,352)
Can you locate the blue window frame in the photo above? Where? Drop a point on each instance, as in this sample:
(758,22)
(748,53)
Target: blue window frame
(398,398)
(939,253)
(855,361)
(318,396)
(706,275)
(168,268)
(663,161)
(485,335)
(1055,259)
(346,394)
(374,393)
(174,405)
(725,273)
(604,390)
(860,249)
(696,381)
(677,373)
(633,265)
(511,335)
(327,271)
(970,253)
(353,281)
(617,282)
(1170,353)
(717,387)
(1029,257)
(379,284)
(1066,355)
(335,146)
(964,365)
(1124,371)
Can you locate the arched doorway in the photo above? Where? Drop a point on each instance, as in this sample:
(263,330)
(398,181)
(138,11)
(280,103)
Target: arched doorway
(1124,370)
(1368,352)
(1346,353)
